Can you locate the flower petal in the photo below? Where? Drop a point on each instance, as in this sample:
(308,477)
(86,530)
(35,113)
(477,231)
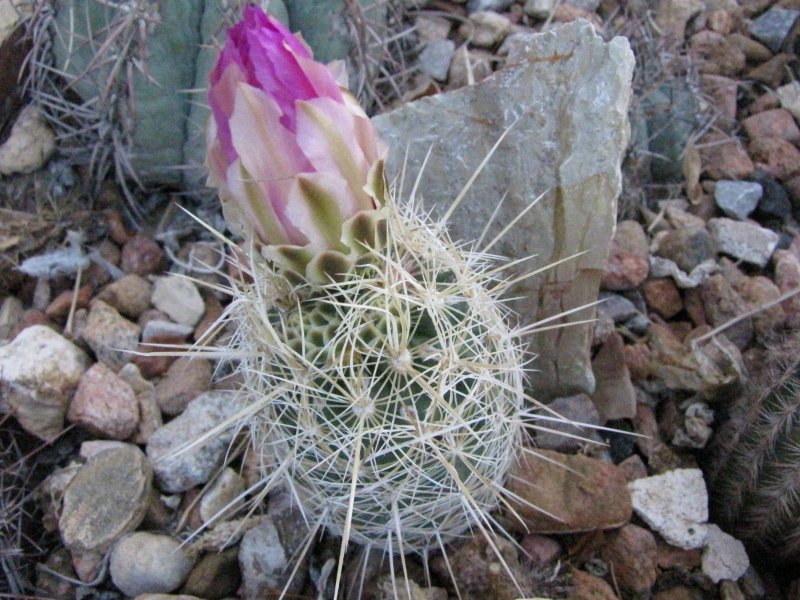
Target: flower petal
(318,204)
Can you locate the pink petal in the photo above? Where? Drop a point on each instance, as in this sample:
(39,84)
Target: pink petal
(221,96)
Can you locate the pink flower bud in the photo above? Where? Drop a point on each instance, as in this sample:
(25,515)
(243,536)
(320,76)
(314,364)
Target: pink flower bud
(291,152)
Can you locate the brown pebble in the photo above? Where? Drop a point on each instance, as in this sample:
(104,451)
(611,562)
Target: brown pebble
(141,255)
(60,306)
(117,230)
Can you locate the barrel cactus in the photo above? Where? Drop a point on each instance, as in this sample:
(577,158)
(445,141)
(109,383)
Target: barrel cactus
(753,465)
(382,383)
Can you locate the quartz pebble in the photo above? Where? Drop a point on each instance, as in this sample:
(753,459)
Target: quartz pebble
(675,504)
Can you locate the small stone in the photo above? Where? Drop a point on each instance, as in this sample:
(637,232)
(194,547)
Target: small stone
(539,9)
(662,296)
(61,305)
(92,448)
(215,576)
(147,562)
(755,52)
(633,467)
(469,66)
(159,329)
(265,554)
(117,229)
(722,93)
(11,311)
(482,5)
(675,504)
(589,587)
(627,264)
(540,549)
(485,29)
(142,256)
(670,557)
(716,55)
(771,73)
(721,304)
(614,395)
(789,95)
(111,336)
(558,434)
(104,404)
(777,123)
(582,494)
(178,297)
(773,26)
(779,158)
(737,199)
(728,590)
(757,292)
(724,557)
(106,499)
(616,307)
(435,58)
(39,371)
(787,278)
(672,15)
(720,21)
(724,157)
(30,144)
(775,203)
(178,472)
(631,553)
(743,240)
(480,572)
(218,502)
(431,27)
(766,101)
(130,295)
(687,248)
(186,378)
(149,413)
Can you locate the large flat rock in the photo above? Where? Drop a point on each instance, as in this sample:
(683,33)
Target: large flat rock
(565,95)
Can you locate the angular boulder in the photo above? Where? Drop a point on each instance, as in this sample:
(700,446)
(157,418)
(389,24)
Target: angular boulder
(563,97)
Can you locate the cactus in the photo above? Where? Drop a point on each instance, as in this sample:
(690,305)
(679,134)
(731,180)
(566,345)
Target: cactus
(382,383)
(753,465)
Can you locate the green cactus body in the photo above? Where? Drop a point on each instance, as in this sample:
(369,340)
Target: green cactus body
(389,400)
(753,465)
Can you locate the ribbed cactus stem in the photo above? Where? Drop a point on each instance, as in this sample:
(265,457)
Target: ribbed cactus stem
(754,463)
(393,397)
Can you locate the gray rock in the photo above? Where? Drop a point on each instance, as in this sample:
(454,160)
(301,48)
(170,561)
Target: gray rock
(724,557)
(687,247)
(561,435)
(565,92)
(11,310)
(435,58)
(158,328)
(773,26)
(106,499)
(496,5)
(148,563)
(485,29)
(221,498)
(663,267)
(110,335)
(675,504)
(267,550)
(746,241)
(738,199)
(179,299)
(618,308)
(39,371)
(178,464)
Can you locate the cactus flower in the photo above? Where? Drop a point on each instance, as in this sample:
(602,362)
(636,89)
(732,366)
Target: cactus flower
(292,154)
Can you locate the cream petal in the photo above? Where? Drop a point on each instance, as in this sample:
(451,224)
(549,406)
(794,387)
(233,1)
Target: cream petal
(326,133)
(318,205)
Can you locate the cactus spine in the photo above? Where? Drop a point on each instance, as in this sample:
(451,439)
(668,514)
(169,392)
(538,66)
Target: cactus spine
(754,463)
